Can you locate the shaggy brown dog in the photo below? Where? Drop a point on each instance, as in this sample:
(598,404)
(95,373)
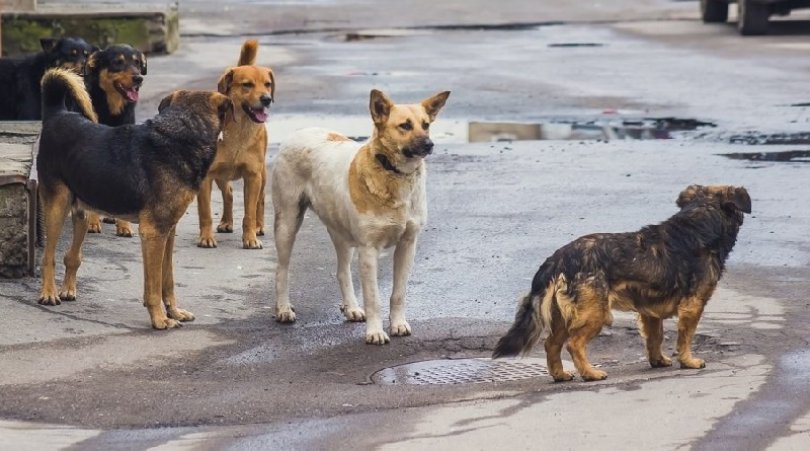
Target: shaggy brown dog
(660,271)
(147,173)
(242,151)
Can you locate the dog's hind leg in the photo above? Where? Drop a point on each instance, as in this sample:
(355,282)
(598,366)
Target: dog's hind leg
(226,222)
(286,221)
(153,247)
(206,239)
(652,329)
(689,312)
(403,262)
(368,277)
(592,312)
(55,205)
(351,310)
(554,343)
(73,257)
(167,283)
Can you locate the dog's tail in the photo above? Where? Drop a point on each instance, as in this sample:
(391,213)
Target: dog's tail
(248,55)
(57,85)
(533,316)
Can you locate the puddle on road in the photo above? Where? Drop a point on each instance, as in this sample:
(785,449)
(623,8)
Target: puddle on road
(771,139)
(446,131)
(461,371)
(790,156)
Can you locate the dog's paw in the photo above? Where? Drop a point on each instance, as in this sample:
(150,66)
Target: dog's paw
(353,314)
(377,337)
(180,314)
(251,243)
(660,362)
(693,363)
(124,231)
(401,329)
(67,294)
(107,220)
(94,227)
(207,242)
(260,231)
(165,323)
(225,227)
(594,375)
(286,315)
(565,376)
(49,298)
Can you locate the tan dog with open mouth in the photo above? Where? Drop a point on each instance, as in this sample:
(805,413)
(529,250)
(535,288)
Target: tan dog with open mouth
(370,196)
(241,152)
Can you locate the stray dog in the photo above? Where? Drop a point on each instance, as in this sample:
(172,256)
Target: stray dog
(242,151)
(20,98)
(370,196)
(659,272)
(147,173)
(113,77)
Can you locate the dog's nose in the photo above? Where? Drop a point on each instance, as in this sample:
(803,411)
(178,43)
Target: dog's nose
(137,79)
(266,100)
(427,147)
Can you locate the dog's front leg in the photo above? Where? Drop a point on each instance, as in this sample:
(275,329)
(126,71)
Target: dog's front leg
(204,214)
(167,283)
(153,247)
(73,257)
(403,262)
(688,316)
(253,184)
(368,277)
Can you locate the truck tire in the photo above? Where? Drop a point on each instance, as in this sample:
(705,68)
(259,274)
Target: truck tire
(713,11)
(752,17)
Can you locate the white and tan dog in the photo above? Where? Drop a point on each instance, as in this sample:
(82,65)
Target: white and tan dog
(370,196)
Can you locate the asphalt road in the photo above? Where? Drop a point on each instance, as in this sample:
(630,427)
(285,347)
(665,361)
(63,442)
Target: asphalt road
(92,375)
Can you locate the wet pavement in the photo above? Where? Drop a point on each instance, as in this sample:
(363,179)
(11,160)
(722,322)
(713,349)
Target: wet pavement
(92,375)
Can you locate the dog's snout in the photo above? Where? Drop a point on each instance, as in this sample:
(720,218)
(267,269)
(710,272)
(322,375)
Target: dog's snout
(137,79)
(266,100)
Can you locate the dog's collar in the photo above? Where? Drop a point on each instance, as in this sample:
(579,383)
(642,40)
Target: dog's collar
(387,165)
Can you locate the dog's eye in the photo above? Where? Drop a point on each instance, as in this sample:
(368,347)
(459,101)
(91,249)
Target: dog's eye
(267,85)
(74,52)
(248,85)
(86,53)
(425,125)
(406,126)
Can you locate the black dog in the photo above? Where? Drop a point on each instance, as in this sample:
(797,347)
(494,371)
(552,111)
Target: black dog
(20,97)
(113,77)
(660,271)
(147,173)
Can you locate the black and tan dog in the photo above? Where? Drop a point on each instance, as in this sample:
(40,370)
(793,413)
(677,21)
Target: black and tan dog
(242,151)
(147,173)
(659,272)
(20,97)
(113,77)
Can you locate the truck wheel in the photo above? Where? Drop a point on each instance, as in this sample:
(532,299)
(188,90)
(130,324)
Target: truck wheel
(752,17)
(713,11)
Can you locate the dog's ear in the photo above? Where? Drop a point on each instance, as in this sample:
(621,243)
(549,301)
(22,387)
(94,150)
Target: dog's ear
(225,82)
(688,195)
(272,86)
(432,105)
(737,199)
(48,44)
(142,61)
(226,109)
(91,63)
(380,107)
(165,102)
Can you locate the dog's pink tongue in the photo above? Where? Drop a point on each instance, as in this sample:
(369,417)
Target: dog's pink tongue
(132,95)
(261,115)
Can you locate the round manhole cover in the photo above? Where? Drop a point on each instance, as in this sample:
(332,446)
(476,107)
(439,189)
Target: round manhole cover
(462,371)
